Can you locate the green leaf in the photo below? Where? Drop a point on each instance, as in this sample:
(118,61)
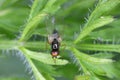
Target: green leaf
(37,6)
(37,74)
(96,24)
(45,58)
(12,78)
(100,47)
(31,26)
(49,9)
(85,77)
(45,69)
(103,9)
(110,33)
(7,3)
(85,57)
(92,65)
(98,18)
(6,44)
(10,20)
(107,55)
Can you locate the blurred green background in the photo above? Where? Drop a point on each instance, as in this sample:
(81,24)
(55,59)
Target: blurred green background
(14,15)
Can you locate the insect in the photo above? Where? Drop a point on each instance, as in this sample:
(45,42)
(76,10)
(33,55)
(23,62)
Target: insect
(54,40)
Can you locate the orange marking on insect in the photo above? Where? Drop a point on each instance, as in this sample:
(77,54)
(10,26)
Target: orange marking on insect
(54,54)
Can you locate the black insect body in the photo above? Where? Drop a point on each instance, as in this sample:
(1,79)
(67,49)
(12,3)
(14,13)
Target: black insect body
(55,48)
(54,40)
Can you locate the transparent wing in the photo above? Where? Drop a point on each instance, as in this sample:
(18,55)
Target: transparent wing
(50,24)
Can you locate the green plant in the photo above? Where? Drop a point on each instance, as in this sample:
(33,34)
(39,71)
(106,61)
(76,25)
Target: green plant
(81,59)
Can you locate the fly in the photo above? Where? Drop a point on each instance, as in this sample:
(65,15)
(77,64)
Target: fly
(54,40)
